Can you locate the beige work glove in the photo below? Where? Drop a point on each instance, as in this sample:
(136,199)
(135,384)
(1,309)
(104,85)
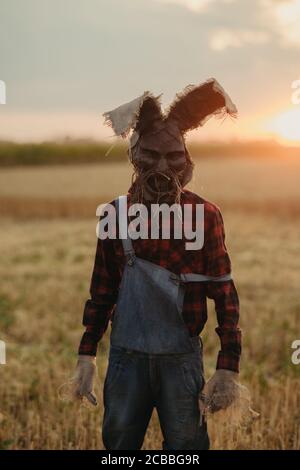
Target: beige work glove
(84,378)
(220,391)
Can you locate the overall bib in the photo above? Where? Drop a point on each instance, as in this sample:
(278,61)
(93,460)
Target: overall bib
(153,360)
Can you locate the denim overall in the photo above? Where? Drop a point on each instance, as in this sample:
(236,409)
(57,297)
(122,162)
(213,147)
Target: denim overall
(153,360)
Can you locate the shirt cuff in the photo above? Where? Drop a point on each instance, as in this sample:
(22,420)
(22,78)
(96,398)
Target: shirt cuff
(228,361)
(89,344)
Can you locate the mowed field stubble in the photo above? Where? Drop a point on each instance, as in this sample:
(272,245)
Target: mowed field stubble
(47,252)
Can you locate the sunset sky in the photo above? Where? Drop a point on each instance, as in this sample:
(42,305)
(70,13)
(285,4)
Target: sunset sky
(65,62)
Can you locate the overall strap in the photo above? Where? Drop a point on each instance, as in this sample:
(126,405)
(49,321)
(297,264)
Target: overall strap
(191,277)
(121,208)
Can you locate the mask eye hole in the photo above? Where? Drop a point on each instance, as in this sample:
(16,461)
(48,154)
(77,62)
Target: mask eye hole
(177,159)
(147,157)
(149,153)
(176,155)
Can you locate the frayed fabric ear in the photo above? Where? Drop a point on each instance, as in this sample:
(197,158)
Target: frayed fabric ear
(198,103)
(137,113)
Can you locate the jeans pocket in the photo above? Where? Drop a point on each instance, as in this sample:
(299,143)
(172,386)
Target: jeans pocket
(116,363)
(193,378)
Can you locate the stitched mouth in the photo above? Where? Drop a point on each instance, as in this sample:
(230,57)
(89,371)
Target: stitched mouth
(156,186)
(160,182)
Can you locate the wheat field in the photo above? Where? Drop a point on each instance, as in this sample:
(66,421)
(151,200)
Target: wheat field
(47,251)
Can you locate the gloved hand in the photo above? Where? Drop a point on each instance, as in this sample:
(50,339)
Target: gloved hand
(220,391)
(84,378)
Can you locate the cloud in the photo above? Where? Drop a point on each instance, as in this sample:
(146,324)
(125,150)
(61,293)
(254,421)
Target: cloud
(198,6)
(223,38)
(284,18)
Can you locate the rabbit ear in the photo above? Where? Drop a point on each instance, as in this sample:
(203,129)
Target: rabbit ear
(198,103)
(138,114)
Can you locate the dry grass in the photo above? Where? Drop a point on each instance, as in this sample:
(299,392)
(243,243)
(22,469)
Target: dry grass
(45,270)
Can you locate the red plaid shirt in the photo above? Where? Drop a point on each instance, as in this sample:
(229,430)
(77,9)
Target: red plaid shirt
(211,260)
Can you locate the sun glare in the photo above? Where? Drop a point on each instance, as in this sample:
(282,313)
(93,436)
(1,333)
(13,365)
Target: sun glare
(286,126)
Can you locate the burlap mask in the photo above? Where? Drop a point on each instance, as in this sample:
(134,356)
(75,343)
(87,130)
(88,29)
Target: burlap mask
(157,150)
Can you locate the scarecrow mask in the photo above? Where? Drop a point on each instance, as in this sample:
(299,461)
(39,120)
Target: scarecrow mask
(157,150)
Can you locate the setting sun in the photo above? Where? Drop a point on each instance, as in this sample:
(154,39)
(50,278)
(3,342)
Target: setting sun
(286,126)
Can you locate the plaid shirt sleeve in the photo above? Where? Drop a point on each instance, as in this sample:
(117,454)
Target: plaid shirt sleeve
(223,293)
(103,294)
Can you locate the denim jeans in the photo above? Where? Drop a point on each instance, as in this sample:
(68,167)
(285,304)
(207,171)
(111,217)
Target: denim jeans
(137,382)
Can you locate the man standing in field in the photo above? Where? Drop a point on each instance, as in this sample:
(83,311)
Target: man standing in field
(154,290)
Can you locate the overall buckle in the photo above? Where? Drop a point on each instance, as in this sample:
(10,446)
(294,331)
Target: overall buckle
(176,279)
(130,259)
